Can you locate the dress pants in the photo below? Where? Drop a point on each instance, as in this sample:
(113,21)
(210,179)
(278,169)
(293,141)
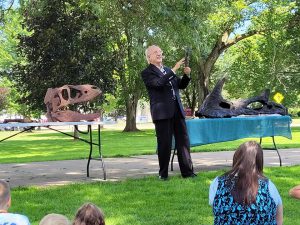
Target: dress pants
(165,129)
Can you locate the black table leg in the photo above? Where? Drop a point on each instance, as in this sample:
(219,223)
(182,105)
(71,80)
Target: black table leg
(90,142)
(275,148)
(24,130)
(99,150)
(91,150)
(100,153)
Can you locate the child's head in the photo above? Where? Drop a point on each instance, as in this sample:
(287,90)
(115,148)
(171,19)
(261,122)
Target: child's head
(89,214)
(54,219)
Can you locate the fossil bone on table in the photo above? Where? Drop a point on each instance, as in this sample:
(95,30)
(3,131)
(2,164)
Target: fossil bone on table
(215,106)
(57,100)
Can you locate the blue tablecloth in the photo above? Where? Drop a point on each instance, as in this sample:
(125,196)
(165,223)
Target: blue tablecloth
(206,131)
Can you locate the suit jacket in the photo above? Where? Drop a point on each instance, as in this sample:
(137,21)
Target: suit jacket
(160,91)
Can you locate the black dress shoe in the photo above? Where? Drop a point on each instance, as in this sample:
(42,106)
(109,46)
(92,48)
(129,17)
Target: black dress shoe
(193,175)
(162,178)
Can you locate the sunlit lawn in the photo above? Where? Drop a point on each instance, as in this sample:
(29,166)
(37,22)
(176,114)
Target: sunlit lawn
(146,201)
(44,145)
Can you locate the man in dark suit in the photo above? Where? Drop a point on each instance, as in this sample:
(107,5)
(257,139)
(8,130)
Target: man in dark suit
(167,112)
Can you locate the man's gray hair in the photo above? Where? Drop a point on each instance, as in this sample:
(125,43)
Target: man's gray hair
(147,50)
(4,194)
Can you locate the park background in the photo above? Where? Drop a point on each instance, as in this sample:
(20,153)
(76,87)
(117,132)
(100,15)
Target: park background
(254,44)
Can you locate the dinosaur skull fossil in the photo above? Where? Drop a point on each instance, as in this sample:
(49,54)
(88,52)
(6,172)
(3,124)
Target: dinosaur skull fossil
(57,99)
(215,106)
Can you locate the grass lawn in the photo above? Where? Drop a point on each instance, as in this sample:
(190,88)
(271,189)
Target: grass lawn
(142,201)
(145,201)
(47,145)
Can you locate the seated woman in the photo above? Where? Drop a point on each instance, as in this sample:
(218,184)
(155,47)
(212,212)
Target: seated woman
(243,195)
(295,192)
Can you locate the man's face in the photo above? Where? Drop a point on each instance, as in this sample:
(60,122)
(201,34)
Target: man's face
(155,55)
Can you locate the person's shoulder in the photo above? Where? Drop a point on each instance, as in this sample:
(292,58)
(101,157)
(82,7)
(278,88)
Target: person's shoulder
(147,69)
(13,218)
(212,190)
(265,180)
(224,178)
(274,193)
(144,70)
(215,181)
(271,184)
(23,220)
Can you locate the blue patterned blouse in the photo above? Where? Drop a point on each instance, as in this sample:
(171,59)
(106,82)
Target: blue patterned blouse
(228,212)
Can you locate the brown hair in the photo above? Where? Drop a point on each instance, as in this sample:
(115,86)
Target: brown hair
(4,194)
(89,214)
(247,168)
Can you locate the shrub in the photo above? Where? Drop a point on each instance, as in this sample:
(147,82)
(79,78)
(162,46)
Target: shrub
(294,112)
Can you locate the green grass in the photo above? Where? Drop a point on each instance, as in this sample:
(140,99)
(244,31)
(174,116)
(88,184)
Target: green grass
(145,201)
(44,145)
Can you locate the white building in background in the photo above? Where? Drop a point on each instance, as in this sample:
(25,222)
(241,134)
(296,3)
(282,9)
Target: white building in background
(143,114)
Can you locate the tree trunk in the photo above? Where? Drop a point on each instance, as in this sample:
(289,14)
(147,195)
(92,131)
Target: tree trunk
(206,65)
(194,100)
(202,86)
(131,106)
(204,73)
(191,96)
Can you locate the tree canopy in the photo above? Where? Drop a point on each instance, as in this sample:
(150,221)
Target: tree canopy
(255,43)
(269,60)
(67,45)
